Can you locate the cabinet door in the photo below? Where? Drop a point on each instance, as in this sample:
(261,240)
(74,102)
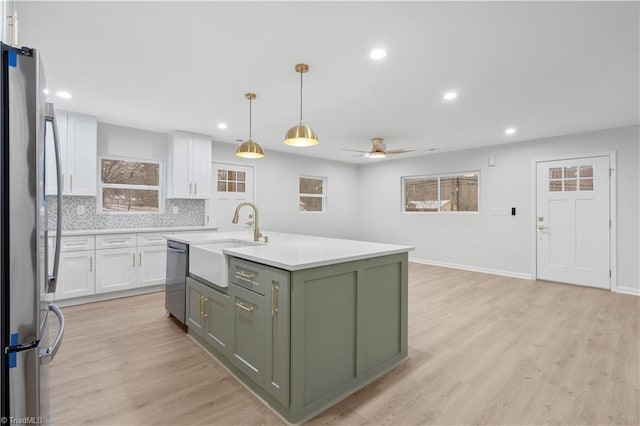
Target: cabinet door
(180,185)
(195,307)
(248,338)
(218,320)
(201,166)
(152,265)
(115,269)
(76,274)
(51,178)
(277,335)
(81,160)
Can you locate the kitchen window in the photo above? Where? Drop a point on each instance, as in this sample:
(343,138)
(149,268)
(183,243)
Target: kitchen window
(313,194)
(444,193)
(129,186)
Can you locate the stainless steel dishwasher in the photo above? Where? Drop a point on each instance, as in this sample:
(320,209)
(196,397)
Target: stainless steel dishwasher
(175,288)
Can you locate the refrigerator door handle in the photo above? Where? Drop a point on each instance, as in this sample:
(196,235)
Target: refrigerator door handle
(53,349)
(52,280)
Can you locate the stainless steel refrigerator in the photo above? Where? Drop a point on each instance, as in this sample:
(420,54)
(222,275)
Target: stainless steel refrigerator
(28,336)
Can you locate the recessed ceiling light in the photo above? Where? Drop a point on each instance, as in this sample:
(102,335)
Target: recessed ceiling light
(45,91)
(377,54)
(62,94)
(222,126)
(449,96)
(510,131)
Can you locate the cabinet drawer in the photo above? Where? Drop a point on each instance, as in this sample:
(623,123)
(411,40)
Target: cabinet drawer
(76,243)
(248,275)
(152,239)
(115,241)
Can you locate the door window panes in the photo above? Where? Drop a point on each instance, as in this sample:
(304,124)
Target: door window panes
(576,178)
(231,181)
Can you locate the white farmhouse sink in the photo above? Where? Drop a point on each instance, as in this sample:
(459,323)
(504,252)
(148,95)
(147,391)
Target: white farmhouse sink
(207,261)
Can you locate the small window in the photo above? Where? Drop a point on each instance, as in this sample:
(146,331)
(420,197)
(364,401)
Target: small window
(447,193)
(569,179)
(129,186)
(313,194)
(231,181)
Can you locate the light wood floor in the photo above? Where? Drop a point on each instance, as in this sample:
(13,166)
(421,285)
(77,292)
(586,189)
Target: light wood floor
(483,349)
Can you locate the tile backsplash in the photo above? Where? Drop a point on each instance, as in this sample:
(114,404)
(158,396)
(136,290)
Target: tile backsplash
(190,213)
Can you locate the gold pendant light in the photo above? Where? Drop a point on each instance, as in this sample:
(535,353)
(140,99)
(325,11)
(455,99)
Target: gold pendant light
(250,148)
(301,134)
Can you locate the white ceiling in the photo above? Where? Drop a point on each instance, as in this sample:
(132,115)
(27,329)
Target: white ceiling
(545,68)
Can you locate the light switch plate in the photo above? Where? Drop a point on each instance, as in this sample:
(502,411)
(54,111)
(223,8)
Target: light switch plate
(175,210)
(491,161)
(505,211)
(80,209)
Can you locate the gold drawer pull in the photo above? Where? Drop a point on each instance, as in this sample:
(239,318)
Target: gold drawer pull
(117,241)
(274,298)
(204,304)
(244,308)
(244,275)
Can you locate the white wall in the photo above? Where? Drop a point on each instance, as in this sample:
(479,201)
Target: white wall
(277,188)
(129,142)
(496,243)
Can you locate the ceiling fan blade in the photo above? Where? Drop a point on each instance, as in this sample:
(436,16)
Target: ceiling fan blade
(399,151)
(361,155)
(355,150)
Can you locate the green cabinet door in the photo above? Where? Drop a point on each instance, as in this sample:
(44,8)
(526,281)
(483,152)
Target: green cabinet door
(218,320)
(248,337)
(195,307)
(277,364)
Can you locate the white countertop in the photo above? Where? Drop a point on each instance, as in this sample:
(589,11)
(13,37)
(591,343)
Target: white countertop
(295,252)
(135,230)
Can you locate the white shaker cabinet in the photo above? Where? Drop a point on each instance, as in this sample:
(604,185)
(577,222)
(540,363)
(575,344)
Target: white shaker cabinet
(188,166)
(78,136)
(76,273)
(152,265)
(115,269)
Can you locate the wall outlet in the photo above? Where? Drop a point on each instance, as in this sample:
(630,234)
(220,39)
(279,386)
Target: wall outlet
(174,210)
(493,212)
(80,209)
(505,211)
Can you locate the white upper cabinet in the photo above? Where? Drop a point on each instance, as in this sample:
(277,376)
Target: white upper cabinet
(78,154)
(189,166)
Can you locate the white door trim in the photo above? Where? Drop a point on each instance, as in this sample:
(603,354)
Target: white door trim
(613,205)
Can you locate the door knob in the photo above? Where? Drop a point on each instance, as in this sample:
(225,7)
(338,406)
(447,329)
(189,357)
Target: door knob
(541,227)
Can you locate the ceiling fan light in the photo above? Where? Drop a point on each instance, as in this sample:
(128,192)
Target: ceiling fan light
(301,135)
(249,149)
(377,155)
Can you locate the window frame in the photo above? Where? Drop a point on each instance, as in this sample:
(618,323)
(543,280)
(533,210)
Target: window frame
(159,188)
(322,196)
(437,176)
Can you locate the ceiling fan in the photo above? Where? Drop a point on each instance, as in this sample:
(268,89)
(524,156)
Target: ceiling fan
(379,150)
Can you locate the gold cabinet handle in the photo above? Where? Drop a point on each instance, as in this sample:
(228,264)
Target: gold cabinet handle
(140,259)
(274,298)
(244,307)
(201,313)
(134,260)
(244,275)
(204,306)
(195,191)
(90,263)
(71,183)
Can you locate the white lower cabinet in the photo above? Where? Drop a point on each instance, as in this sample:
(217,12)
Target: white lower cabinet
(152,265)
(76,276)
(115,269)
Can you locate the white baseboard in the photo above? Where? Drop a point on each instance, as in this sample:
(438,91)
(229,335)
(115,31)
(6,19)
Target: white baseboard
(628,290)
(108,296)
(474,268)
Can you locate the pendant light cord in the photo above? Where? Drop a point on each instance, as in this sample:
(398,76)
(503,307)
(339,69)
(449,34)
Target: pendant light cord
(301,97)
(250,118)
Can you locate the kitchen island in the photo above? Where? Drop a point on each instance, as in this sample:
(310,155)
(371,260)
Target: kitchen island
(302,321)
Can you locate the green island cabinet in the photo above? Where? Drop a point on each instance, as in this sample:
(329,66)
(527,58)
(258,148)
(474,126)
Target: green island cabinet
(303,340)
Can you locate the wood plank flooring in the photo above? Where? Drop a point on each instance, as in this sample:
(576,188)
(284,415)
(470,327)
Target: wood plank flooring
(483,349)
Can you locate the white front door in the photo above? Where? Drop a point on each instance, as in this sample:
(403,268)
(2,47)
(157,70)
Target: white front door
(231,185)
(573,227)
